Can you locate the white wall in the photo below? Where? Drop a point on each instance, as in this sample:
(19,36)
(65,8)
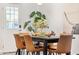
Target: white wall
(53,12)
(6,36)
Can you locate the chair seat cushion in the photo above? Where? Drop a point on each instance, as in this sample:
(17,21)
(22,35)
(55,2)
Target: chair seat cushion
(52,46)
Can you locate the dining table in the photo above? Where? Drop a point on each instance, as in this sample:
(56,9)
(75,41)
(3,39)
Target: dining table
(45,40)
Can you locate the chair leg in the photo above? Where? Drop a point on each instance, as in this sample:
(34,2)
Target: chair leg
(53,53)
(38,53)
(27,52)
(49,53)
(33,53)
(18,51)
(69,53)
(59,53)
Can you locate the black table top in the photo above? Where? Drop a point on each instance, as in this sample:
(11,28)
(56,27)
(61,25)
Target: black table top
(45,37)
(48,39)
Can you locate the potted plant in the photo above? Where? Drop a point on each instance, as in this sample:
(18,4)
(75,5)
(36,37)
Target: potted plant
(38,21)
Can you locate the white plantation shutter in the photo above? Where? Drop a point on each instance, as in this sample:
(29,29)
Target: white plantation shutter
(11,17)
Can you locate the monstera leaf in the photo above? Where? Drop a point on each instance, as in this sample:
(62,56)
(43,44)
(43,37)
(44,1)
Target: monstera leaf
(30,28)
(38,14)
(26,23)
(43,16)
(32,14)
(36,19)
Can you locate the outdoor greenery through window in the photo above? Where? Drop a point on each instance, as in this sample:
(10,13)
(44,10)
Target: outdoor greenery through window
(11,17)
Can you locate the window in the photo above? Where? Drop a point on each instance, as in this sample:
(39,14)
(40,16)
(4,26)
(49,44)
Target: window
(11,17)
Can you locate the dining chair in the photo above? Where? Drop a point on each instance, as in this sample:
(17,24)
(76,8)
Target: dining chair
(63,46)
(54,45)
(36,44)
(19,44)
(24,33)
(30,46)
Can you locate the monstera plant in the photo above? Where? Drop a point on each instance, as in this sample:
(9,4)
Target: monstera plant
(36,15)
(38,21)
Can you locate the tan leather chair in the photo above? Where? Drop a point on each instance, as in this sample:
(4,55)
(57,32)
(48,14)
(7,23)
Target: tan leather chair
(19,44)
(63,46)
(30,46)
(24,33)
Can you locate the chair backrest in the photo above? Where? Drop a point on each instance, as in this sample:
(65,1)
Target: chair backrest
(19,43)
(29,44)
(64,44)
(24,33)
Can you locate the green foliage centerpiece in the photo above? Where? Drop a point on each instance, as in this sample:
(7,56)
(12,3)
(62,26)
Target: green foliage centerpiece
(38,21)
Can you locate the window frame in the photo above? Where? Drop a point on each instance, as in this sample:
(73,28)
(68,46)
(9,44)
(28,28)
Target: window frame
(15,20)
